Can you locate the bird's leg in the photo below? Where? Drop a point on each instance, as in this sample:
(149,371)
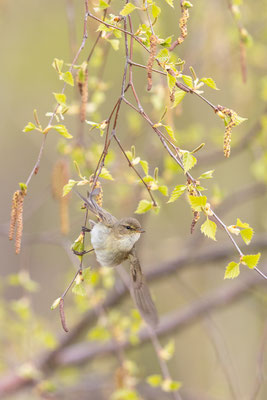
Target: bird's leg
(81,253)
(85,229)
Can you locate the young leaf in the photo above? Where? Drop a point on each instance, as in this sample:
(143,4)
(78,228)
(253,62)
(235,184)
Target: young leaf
(188,161)
(155,10)
(68,78)
(167,351)
(103,5)
(178,97)
(67,188)
(177,192)
(239,120)
(197,202)
(127,9)
(209,82)
(242,224)
(143,207)
(62,130)
(115,43)
(170,131)
(171,80)
(247,234)
(57,64)
(170,386)
(144,165)
(188,81)
(164,190)
(79,289)
(251,260)
(170,2)
(29,127)
(206,175)
(209,229)
(60,98)
(154,380)
(106,174)
(55,303)
(232,270)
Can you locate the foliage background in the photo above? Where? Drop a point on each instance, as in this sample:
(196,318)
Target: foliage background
(32,35)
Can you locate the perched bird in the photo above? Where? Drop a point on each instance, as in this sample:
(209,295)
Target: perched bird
(114,241)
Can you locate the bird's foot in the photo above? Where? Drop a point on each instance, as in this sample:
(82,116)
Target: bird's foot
(81,253)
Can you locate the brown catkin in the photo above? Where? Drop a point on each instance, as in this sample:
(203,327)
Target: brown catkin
(195,219)
(183,27)
(19,222)
(84,96)
(13,217)
(228,129)
(60,177)
(64,216)
(99,196)
(153,48)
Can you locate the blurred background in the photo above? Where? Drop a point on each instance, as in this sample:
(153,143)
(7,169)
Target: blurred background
(213,331)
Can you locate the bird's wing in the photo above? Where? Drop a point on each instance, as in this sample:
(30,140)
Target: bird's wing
(105,217)
(141,293)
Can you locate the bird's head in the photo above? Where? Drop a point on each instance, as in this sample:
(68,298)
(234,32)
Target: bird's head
(129,226)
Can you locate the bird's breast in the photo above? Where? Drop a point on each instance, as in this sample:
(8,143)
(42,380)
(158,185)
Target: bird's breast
(110,249)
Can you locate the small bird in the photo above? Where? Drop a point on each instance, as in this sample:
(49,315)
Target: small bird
(114,241)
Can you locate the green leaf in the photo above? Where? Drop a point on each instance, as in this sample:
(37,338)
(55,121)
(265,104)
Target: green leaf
(125,394)
(55,303)
(154,380)
(127,9)
(23,186)
(57,64)
(232,270)
(67,188)
(164,190)
(79,289)
(29,127)
(209,82)
(115,43)
(187,4)
(170,131)
(60,98)
(247,235)
(103,5)
(170,2)
(206,175)
(188,81)
(251,260)
(188,161)
(99,333)
(197,202)
(209,229)
(62,130)
(144,165)
(239,120)
(170,386)
(143,207)
(241,224)
(177,192)
(171,80)
(106,174)
(68,78)
(167,351)
(178,97)
(155,10)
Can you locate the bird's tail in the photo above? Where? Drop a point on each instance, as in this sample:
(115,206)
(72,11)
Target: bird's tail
(141,293)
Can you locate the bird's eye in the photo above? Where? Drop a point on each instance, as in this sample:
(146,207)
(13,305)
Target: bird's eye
(128,227)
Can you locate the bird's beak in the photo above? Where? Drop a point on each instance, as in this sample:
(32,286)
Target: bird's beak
(140,230)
